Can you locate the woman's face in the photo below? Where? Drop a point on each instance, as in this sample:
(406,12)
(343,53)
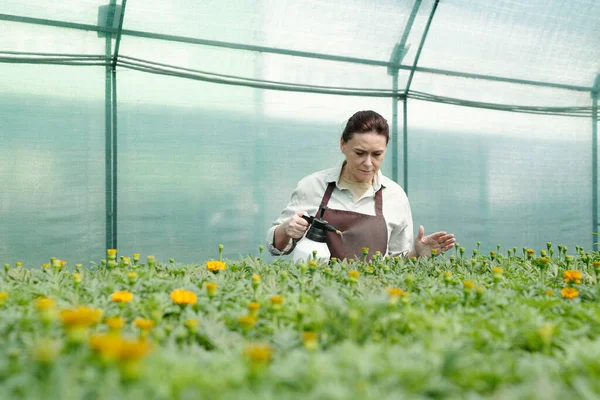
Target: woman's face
(364,155)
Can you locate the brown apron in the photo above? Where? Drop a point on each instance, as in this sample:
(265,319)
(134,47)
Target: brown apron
(358,230)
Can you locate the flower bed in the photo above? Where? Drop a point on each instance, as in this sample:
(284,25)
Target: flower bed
(492,326)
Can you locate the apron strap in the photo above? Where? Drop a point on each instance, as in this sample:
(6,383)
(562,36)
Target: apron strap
(328,192)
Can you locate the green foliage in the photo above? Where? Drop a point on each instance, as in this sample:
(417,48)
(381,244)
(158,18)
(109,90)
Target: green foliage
(480,327)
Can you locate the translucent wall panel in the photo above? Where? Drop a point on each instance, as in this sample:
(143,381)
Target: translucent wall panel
(551,41)
(51,164)
(480,90)
(262,66)
(80,11)
(191,177)
(500,177)
(365,29)
(22,37)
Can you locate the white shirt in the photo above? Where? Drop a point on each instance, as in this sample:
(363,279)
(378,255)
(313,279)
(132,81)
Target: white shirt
(309,193)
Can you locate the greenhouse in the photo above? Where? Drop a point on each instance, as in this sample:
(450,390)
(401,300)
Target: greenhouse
(179,129)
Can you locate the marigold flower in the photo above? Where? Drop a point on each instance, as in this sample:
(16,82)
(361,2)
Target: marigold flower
(181,296)
(76,277)
(115,323)
(255,280)
(136,257)
(215,265)
(247,321)
(111,254)
(113,347)
(122,297)
(253,308)
(365,251)
(311,340)
(397,292)
(572,276)
(144,324)
(46,350)
(132,277)
(569,293)
(354,274)
(45,266)
(191,324)
(434,252)
(80,317)
(211,288)
(468,285)
(19,264)
(3,297)
(44,303)
(258,353)
(550,292)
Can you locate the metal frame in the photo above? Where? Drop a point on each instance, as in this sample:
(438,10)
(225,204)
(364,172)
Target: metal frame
(394,66)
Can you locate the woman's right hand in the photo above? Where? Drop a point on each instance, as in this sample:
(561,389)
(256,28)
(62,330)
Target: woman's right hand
(295,226)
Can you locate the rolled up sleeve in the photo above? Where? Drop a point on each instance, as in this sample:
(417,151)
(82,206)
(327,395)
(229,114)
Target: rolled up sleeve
(401,237)
(295,205)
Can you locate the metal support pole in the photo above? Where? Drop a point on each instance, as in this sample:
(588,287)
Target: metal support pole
(404,101)
(109,188)
(395,149)
(595,167)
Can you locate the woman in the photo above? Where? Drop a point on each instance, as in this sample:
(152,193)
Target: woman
(371,210)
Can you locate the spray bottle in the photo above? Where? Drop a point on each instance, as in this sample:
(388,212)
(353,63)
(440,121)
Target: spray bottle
(315,239)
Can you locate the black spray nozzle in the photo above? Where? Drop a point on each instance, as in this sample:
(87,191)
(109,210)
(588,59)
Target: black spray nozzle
(320,223)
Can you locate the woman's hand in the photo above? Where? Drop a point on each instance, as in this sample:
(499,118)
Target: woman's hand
(295,226)
(440,241)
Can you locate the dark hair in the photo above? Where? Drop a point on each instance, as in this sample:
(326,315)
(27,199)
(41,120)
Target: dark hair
(366,121)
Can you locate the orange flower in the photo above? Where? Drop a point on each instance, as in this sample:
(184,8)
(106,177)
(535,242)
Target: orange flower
(572,276)
(80,317)
(122,297)
(215,265)
(144,324)
(181,296)
(569,293)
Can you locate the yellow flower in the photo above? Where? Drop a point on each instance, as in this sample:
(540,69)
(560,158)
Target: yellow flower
(191,324)
(76,277)
(144,324)
(122,297)
(215,265)
(3,297)
(550,292)
(113,347)
(569,293)
(111,254)
(46,350)
(354,274)
(247,321)
(181,296)
(397,292)
(258,353)
(572,276)
(19,264)
(253,308)
(80,317)
(44,303)
(434,252)
(45,266)
(310,340)
(497,270)
(132,277)
(115,323)
(277,299)
(468,285)
(211,288)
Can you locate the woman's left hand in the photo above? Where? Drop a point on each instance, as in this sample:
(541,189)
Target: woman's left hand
(440,241)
